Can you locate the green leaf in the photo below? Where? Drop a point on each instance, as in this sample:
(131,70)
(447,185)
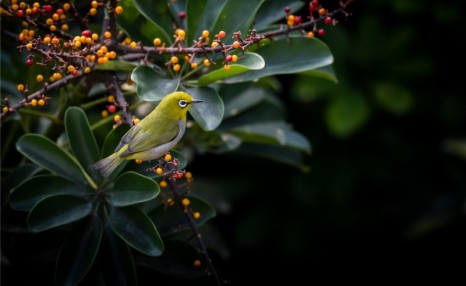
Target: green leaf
(252,61)
(131,188)
(325,72)
(287,56)
(57,210)
(79,251)
(152,87)
(82,140)
(34,189)
(171,219)
(117,65)
(136,229)
(346,113)
(49,156)
(157,12)
(272,11)
(113,139)
(239,102)
(277,133)
(201,15)
(137,26)
(394,98)
(118,268)
(208,113)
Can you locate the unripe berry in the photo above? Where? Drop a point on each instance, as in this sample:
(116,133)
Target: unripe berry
(214,45)
(197,263)
(205,33)
(193,65)
(39,78)
(157,42)
(66,6)
(104,113)
(136,121)
(188,175)
(117,118)
(34,102)
(206,62)
(87,70)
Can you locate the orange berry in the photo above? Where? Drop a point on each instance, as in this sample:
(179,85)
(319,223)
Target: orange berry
(39,78)
(87,70)
(93,11)
(104,113)
(188,175)
(116,118)
(168,157)
(66,6)
(41,102)
(133,45)
(29,46)
(176,67)
(136,121)
(322,11)
(185,202)
(159,171)
(20,87)
(196,215)
(118,10)
(65,27)
(163,184)
(34,102)
(111,98)
(236,44)
(138,161)
(310,34)
(222,34)
(193,65)
(197,263)
(226,67)
(157,42)
(174,60)
(94,4)
(205,33)
(107,35)
(206,62)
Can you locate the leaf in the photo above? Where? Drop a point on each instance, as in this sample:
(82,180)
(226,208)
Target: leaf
(272,11)
(57,210)
(82,140)
(137,26)
(171,219)
(283,57)
(272,133)
(34,189)
(113,139)
(117,65)
(152,87)
(325,72)
(394,98)
(242,101)
(49,156)
(136,229)
(251,61)
(209,9)
(346,113)
(131,188)
(118,268)
(79,252)
(157,12)
(208,113)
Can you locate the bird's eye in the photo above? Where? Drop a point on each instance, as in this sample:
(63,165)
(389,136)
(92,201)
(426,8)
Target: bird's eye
(182,103)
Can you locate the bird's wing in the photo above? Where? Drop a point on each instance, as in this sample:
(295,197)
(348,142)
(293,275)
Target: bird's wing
(128,137)
(152,138)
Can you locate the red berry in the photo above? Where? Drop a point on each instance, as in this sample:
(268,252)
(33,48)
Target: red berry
(179,175)
(47,8)
(111,108)
(60,11)
(86,33)
(328,20)
(321,32)
(20,13)
(287,9)
(297,20)
(35,10)
(182,15)
(74,72)
(29,62)
(315,2)
(229,58)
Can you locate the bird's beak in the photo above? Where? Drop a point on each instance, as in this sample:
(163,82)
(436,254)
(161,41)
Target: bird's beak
(196,101)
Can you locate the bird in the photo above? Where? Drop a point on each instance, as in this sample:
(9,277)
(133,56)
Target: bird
(154,136)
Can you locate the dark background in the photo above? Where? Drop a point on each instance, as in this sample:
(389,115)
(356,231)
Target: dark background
(387,187)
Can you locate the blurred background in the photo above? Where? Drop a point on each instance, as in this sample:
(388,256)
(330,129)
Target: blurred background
(386,189)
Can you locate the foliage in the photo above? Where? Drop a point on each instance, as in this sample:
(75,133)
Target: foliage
(100,76)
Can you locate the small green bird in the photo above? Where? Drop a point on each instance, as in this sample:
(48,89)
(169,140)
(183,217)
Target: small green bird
(154,135)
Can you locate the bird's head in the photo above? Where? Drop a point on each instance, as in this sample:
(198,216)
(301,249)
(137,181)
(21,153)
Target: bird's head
(176,104)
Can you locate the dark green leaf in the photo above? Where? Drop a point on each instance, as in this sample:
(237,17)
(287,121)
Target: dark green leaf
(118,268)
(137,27)
(251,61)
(82,140)
(33,190)
(171,219)
(209,10)
(131,188)
(49,156)
(136,229)
(157,12)
(117,65)
(394,98)
(57,210)
(208,113)
(277,133)
(79,251)
(286,56)
(239,102)
(272,11)
(152,87)
(325,72)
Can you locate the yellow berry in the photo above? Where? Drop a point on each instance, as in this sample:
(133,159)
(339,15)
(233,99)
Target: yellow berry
(65,27)
(104,113)
(138,161)
(39,78)
(118,10)
(49,21)
(93,11)
(159,171)
(176,67)
(107,35)
(136,121)
(236,44)
(188,175)
(196,215)
(111,98)
(157,42)
(41,102)
(117,118)
(206,62)
(133,45)
(87,70)
(193,65)
(310,34)
(197,263)
(94,4)
(185,202)
(112,55)
(214,45)
(163,184)
(103,49)
(168,157)
(174,60)
(53,28)
(57,76)
(322,11)
(55,17)
(95,37)
(34,102)
(29,46)
(71,68)
(205,33)
(226,67)
(66,6)
(234,58)
(5,109)
(20,87)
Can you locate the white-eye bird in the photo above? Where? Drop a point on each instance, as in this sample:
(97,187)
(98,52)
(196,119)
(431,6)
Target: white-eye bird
(154,135)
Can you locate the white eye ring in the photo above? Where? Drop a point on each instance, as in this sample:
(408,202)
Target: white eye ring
(182,103)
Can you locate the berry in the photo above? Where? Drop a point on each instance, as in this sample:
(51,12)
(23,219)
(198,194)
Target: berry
(205,33)
(71,68)
(174,59)
(20,13)
(226,67)
(86,33)
(328,20)
(118,10)
(193,65)
(39,78)
(206,62)
(168,157)
(197,263)
(74,72)
(234,58)
(322,11)
(297,20)
(47,8)
(185,202)
(20,87)
(163,184)
(182,15)
(321,32)
(104,113)
(188,175)
(111,98)
(87,70)
(34,102)
(179,175)
(176,67)
(196,215)
(287,9)
(236,44)
(94,4)
(222,34)
(310,34)
(136,121)
(117,118)
(41,102)
(111,108)
(229,58)
(159,171)
(138,161)
(107,35)
(29,62)
(93,11)
(66,6)
(214,45)
(157,42)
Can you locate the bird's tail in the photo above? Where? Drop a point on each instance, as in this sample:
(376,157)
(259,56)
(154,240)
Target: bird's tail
(109,164)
